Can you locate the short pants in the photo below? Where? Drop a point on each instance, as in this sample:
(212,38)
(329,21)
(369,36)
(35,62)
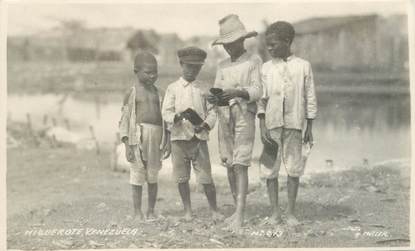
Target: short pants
(289,153)
(236,135)
(188,153)
(148,156)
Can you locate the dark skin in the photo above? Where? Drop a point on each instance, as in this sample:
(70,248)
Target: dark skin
(146,75)
(189,73)
(237,174)
(281,49)
(232,182)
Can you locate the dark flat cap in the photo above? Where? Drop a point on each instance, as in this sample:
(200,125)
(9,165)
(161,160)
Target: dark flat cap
(192,55)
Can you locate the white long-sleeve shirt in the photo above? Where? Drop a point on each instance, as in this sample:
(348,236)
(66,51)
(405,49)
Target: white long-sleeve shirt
(288,93)
(181,95)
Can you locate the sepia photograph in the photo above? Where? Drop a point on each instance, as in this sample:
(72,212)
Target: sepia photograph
(207,124)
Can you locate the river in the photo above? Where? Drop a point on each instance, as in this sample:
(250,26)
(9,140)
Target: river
(349,129)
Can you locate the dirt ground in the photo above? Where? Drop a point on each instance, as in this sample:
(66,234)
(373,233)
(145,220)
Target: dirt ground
(64,198)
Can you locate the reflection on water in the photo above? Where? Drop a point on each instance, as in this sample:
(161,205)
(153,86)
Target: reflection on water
(348,130)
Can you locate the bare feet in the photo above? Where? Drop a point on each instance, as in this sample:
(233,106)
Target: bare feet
(151,215)
(216,216)
(235,223)
(188,216)
(230,219)
(292,220)
(275,218)
(138,216)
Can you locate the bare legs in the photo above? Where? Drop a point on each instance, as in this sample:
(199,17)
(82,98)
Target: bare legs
(232,182)
(292,191)
(184,191)
(272,187)
(137,192)
(237,219)
(152,197)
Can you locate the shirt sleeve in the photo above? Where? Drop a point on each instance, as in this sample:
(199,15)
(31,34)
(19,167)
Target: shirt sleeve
(310,94)
(123,124)
(262,102)
(218,78)
(211,115)
(168,110)
(254,87)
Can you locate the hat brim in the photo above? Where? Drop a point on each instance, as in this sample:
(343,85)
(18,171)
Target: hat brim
(192,62)
(229,40)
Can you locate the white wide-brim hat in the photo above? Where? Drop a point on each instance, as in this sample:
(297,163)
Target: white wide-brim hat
(232,29)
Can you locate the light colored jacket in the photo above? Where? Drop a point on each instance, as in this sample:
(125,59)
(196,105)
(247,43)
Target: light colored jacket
(289,94)
(127,124)
(244,73)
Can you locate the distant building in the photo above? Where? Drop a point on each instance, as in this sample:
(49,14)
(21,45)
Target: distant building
(356,43)
(99,44)
(43,46)
(168,46)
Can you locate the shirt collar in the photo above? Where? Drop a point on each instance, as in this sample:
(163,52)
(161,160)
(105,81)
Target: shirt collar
(184,82)
(280,60)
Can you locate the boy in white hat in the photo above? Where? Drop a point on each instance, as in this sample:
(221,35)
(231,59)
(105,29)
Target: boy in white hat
(289,102)
(239,78)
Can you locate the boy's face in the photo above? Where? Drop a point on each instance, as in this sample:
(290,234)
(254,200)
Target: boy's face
(234,48)
(190,71)
(277,48)
(147,74)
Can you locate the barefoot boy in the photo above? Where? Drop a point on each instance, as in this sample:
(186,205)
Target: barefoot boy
(189,138)
(289,100)
(142,132)
(239,77)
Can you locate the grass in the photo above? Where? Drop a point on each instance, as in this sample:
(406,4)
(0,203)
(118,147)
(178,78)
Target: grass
(55,188)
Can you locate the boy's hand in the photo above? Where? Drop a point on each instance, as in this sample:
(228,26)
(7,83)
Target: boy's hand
(177,117)
(212,99)
(202,127)
(129,153)
(308,134)
(166,149)
(265,136)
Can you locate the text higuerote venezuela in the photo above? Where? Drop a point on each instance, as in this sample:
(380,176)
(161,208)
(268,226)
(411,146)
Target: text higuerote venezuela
(81,231)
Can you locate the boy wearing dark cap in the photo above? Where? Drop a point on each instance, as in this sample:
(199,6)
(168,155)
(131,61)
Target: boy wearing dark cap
(288,102)
(239,78)
(143,132)
(190,118)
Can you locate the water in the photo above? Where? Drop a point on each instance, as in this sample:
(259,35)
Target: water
(349,128)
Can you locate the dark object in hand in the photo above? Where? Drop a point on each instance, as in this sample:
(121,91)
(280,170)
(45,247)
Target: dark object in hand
(202,127)
(217,92)
(192,116)
(177,117)
(269,154)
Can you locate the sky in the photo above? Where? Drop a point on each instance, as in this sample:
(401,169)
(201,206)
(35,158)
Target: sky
(185,19)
